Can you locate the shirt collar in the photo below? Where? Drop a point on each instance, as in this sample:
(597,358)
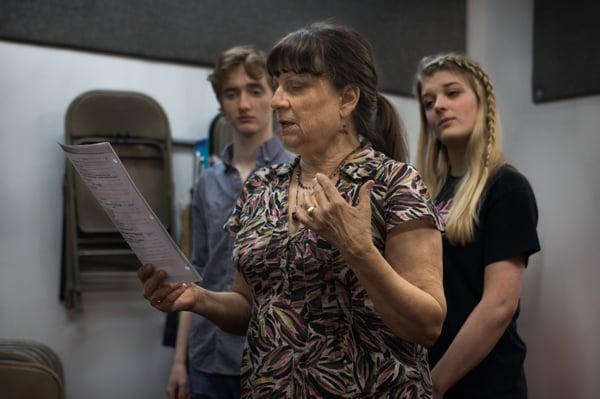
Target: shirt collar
(267,153)
(354,167)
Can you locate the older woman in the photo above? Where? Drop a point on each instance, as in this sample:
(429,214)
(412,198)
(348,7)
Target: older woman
(339,285)
(491,218)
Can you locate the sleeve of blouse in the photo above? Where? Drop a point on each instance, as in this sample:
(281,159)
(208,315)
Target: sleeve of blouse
(407,198)
(510,223)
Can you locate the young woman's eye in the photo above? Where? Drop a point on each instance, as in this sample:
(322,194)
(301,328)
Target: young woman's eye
(428,104)
(453,93)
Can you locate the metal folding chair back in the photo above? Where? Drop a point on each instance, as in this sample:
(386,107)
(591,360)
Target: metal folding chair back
(138,129)
(30,369)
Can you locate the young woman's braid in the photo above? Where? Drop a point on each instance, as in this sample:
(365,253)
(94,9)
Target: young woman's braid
(490,117)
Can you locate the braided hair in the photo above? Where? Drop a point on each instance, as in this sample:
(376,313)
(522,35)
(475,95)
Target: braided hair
(483,153)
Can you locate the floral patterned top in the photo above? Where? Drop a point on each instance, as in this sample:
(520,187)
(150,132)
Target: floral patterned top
(314,332)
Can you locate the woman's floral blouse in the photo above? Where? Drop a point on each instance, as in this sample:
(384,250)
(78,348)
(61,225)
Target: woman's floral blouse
(314,331)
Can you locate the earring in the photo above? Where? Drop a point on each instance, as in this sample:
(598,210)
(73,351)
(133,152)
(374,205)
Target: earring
(344,128)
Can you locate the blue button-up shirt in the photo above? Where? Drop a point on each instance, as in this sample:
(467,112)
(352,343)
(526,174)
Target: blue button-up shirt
(211,350)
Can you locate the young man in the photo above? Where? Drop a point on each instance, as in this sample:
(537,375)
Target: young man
(244,90)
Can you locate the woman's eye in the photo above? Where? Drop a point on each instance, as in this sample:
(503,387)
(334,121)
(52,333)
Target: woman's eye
(294,85)
(427,104)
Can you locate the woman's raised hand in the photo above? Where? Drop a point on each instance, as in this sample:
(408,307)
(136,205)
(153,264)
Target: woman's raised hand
(167,297)
(345,226)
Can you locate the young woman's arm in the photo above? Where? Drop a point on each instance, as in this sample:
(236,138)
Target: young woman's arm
(484,326)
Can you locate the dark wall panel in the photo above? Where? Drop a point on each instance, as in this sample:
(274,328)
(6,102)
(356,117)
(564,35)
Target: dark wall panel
(195,31)
(566,49)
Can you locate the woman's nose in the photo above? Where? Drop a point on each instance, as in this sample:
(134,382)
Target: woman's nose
(278,100)
(440,103)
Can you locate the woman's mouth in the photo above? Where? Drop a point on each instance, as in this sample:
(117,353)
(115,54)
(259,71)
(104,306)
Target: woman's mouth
(445,122)
(285,124)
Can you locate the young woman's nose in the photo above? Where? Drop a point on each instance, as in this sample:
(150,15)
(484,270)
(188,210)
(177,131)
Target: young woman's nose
(440,104)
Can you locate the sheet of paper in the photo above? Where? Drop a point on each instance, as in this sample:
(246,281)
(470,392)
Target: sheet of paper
(102,171)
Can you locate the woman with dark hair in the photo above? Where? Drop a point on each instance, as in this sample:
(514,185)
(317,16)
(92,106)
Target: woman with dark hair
(339,285)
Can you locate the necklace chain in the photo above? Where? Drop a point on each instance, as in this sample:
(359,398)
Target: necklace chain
(332,174)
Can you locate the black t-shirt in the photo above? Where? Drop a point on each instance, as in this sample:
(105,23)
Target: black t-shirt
(507,228)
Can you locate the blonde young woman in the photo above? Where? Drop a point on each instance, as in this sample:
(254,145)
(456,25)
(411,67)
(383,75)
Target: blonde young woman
(491,216)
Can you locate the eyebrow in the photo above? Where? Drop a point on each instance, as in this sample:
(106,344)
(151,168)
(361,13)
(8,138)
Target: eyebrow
(445,86)
(296,77)
(255,84)
(456,82)
(250,85)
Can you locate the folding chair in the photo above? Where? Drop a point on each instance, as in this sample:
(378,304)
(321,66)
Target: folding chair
(220,133)
(94,252)
(30,369)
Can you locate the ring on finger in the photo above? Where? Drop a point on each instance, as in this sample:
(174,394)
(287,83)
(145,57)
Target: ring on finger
(310,210)
(156,300)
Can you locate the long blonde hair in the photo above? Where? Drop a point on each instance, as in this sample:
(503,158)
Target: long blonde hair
(483,154)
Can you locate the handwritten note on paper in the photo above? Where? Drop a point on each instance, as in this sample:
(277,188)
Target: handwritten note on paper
(102,171)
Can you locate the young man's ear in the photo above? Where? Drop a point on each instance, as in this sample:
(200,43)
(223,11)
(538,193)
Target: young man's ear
(349,97)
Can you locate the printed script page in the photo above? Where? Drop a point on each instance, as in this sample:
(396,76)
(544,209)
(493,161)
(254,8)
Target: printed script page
(106,177)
